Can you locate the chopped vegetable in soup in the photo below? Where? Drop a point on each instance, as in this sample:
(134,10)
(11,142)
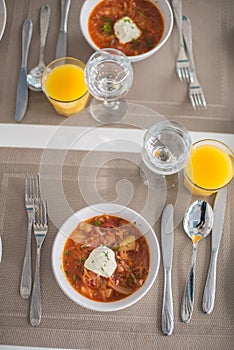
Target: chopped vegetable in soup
(131,26)
(106,258)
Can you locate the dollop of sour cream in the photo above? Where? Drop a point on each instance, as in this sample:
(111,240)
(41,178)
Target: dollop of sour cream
(101,261)
(126,30)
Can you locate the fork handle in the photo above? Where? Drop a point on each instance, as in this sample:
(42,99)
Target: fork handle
(26,277)
(177,9)
(35,307)
(187,34)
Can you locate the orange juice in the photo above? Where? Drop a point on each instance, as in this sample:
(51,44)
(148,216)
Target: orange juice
(210,167)
(64,84)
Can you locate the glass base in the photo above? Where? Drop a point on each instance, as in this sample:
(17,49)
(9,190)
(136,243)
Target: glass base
(108,112)
(156,181)
(152,180)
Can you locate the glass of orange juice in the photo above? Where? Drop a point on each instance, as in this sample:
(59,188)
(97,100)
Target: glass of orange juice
(64,85)
(210,167)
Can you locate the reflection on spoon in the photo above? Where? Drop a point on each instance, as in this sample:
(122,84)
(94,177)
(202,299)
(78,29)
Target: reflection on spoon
(198,222)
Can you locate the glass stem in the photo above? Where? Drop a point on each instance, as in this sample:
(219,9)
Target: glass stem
(113,105)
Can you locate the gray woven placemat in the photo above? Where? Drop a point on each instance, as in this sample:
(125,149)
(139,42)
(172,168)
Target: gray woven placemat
(155,82)
(67,325)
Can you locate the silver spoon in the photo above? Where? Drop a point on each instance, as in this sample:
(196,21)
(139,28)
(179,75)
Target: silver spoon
(198,222)
(34,76)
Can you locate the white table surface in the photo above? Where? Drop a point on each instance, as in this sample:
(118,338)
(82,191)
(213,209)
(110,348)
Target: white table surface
(83,138)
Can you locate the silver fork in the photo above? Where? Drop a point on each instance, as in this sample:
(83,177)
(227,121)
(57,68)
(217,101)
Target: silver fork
(32,192)
(40,227)
(183,67)
(196,94)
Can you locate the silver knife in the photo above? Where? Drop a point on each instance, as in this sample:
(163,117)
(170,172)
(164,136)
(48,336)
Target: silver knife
(22,88)
(167,238)
(61,48)
(219,214)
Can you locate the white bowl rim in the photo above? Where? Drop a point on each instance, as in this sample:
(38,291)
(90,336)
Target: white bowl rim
(83,23)
(61,237)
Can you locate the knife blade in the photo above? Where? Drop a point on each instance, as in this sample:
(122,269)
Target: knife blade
(167,239)
(22,88)
(61,47)
(219,215)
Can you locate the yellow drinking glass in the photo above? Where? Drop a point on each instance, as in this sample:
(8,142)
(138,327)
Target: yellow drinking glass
(210,167)
(64,85)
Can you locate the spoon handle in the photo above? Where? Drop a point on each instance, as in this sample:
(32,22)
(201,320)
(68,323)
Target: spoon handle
(209,291)
(44,25)
(188,297)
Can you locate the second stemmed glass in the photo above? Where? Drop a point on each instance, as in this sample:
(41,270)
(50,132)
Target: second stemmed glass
(164,153)
(109,76)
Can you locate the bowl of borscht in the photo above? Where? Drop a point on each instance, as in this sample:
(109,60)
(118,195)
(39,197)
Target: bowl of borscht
(138,28)
(105,257)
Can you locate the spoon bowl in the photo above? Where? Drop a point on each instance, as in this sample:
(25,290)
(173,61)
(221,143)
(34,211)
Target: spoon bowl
(198,222)
(34,77)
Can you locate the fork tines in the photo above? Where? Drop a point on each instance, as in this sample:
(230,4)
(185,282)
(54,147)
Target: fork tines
(40,215)
(196,94)
(197,97)
(32,187)
(183,68)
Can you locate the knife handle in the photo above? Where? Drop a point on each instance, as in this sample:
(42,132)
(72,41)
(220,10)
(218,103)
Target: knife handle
(209,291)
(65,6)
(167,308)
(26,39)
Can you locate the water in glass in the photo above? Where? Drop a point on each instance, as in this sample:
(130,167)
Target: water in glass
(166,148)
(109,76)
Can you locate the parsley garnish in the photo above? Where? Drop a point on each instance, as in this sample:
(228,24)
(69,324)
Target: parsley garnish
(82,260)
(96,223)
(73,278)
(130,280)
(107,27)
(106,255)
(66,252)
(149,42)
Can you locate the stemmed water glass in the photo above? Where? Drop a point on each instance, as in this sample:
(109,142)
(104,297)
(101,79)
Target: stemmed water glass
(165,152)
(109,76)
